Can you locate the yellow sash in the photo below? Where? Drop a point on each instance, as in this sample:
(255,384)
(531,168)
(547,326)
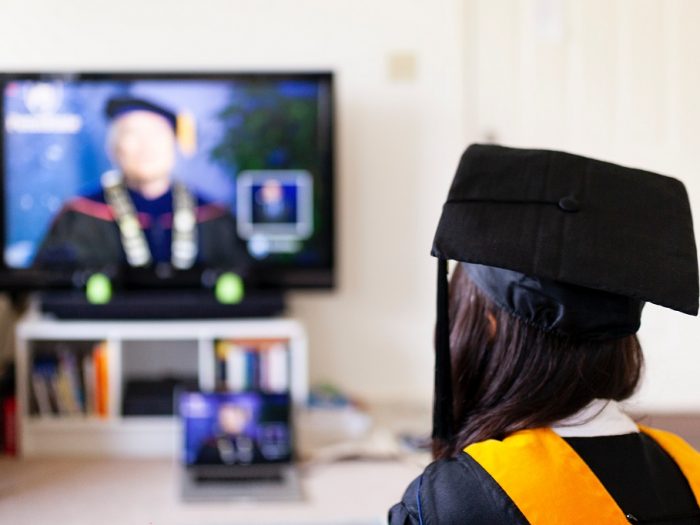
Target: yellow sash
(552,485)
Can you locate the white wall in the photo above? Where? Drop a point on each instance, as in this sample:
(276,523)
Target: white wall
(614,79)
(398,142)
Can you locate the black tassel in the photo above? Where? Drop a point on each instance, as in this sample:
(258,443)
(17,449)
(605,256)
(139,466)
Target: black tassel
(442,405)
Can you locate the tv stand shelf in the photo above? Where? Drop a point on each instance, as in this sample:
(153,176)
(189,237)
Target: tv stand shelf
(133,350)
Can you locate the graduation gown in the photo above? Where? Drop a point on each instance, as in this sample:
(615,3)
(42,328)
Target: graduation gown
(541,477)
(84,233)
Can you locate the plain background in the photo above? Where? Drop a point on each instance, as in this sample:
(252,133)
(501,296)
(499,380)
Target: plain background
(418,80)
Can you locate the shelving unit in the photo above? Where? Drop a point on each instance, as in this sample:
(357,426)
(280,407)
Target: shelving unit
(134,347)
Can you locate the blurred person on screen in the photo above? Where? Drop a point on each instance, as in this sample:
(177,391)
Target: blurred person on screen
(141,215)
(230,442)
(271,206)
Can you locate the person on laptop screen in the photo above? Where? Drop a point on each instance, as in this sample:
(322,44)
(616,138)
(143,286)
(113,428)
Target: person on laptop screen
(141,215)
(231,442)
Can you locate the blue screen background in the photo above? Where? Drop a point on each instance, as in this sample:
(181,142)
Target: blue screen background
(44,170)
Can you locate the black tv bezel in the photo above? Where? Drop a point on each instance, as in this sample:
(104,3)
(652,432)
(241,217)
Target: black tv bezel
(274,277)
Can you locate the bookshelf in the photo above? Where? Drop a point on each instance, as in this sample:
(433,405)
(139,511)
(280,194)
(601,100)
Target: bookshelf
(81,384)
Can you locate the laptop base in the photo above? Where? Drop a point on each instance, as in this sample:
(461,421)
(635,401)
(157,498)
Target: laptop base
(212,486)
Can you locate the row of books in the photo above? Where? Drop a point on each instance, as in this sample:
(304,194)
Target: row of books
(260,364)
(70,383)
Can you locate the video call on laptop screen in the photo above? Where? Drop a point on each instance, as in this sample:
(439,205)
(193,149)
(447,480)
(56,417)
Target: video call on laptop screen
(235,428)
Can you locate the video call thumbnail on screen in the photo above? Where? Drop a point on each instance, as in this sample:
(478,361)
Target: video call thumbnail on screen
(189,170)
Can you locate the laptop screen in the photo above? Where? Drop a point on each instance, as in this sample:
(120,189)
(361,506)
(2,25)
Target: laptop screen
(247,428)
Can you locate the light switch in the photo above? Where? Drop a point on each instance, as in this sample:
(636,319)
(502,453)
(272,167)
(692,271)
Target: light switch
(402,66)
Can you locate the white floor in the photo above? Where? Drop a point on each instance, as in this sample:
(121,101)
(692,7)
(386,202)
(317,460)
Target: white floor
(104,492)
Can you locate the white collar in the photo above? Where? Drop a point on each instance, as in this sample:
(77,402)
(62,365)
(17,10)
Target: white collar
(601,417)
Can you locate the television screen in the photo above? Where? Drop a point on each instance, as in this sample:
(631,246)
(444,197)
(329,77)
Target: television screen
(186,171)
(235,428)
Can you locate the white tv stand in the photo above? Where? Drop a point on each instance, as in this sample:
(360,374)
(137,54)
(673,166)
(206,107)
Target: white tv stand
(141,345)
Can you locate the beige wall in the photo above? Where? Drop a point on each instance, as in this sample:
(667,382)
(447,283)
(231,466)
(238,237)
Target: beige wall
(398,142)
(615,79)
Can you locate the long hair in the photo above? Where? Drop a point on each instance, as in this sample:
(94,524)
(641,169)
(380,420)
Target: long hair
(509,376)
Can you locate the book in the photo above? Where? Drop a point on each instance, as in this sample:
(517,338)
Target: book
(220,352)
(40,388)
(264,372)
(252,362)
(277,369)
(89,380)
(44,371)
(8,414)
(101,379)
(236,379)
(68,383)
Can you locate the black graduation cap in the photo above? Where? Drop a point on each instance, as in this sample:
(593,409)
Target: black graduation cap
(118,106)
(569,244)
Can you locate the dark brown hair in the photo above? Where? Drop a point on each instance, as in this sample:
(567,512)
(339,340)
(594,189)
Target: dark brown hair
(509,376)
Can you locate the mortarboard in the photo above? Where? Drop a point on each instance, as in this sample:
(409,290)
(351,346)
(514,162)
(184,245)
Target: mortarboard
(183,124)
(569,244)
(119,106)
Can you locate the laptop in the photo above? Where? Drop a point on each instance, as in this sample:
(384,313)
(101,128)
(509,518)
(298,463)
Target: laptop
(237,446)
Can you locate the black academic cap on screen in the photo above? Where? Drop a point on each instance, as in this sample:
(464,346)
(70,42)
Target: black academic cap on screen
(569,244)
(118,106)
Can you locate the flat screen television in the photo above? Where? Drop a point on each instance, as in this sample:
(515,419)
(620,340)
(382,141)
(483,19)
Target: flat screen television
(159,178)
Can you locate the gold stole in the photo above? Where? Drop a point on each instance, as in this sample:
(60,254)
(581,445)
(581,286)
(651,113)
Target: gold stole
(552,485)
